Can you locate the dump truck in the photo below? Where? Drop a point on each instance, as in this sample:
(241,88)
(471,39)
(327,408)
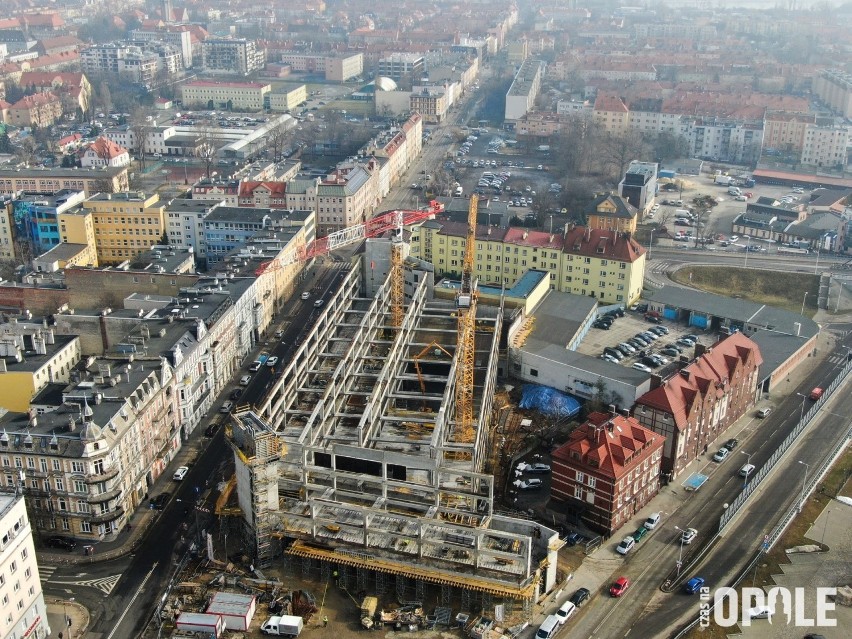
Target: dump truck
(283,626)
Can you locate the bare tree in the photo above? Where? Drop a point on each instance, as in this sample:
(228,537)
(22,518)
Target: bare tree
(27,150)
(139,127)
(206,149)
(276,140)
(619,149)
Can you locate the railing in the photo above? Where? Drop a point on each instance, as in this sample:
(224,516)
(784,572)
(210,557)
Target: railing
(758,477)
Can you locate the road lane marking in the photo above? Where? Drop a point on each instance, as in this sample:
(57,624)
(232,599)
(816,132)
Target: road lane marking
(135,596)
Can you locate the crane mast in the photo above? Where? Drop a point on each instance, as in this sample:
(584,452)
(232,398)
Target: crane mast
(465,349)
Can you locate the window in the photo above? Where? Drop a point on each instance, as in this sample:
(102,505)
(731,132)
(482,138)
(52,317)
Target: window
(580,477)
(534,372)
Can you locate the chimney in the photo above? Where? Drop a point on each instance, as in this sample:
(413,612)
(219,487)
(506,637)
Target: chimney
(612,410)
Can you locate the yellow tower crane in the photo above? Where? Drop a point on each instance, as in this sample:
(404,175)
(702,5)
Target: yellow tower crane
(466,309)
(397,280)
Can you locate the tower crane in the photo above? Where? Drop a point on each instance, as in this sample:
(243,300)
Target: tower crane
(350,235)
(466,329)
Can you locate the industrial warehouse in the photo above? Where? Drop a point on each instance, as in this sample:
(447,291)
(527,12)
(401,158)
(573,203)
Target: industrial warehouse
(366,459)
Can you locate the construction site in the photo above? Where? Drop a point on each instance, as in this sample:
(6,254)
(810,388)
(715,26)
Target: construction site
(366,460)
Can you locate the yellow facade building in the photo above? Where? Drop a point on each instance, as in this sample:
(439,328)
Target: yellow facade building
(125,224)
(32,358)
(612,212)
(604,264)
(77,226)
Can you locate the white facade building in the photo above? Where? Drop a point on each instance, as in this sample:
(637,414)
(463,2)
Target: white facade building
(22,609)
(522,94)
(826,146)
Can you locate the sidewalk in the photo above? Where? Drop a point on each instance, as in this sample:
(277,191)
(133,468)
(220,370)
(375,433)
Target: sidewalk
(62,611)
(600,565)
(141,520)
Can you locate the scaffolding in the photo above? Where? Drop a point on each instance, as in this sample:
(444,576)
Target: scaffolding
(355,456)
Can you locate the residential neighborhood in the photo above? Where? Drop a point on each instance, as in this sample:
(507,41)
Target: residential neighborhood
(517,319)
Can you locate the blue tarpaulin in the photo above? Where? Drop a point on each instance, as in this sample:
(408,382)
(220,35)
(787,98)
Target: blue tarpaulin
(548,401)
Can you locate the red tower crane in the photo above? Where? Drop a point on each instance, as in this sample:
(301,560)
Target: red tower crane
(392,220)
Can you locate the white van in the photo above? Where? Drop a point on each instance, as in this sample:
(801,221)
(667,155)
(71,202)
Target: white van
(734,190)
(548,629)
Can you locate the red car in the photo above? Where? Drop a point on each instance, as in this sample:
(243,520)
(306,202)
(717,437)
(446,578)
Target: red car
(619,587)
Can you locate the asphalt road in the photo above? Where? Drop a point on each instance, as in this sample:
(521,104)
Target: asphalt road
(122,594)
(645,611)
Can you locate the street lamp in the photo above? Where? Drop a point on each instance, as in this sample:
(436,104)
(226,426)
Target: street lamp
(804,299)
(748,249)
(551,225)
(804,480)
(680,555)
(748,461)
(802,409)
(651,244)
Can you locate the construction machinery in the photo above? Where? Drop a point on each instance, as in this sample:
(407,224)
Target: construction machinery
(466,330)
(392,220)
(435,348)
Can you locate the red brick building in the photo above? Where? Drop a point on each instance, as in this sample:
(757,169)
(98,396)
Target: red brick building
(608,469)
(694,406)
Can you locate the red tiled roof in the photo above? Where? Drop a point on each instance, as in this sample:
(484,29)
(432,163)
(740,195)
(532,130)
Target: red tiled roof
(106,148)
(247,188)
(712,370)
(50,78)
(34,100)
(609,442)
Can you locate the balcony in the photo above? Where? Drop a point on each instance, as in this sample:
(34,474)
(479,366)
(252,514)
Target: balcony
(105,518)
(101,498)
(106,475)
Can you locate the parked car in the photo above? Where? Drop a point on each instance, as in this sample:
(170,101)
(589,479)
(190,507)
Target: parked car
(212,429)
(685,343)
(671,352)
(64,543)
(236,393)
(625,546)
(566,611)
(573,538)
(721,455)
(245,379)
(180,473)
(652,520)
(159,502)
(614,352)
(760,612)
(255,366)
(539,469)
(580,596)
(764,412)
(650,362)
(529,484)
(688,535)
(693,585)
(732,443)
(639,366)
(226,407)
(619,587)
(640,533)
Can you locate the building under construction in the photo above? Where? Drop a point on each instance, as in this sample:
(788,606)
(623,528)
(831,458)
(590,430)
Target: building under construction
(361,460)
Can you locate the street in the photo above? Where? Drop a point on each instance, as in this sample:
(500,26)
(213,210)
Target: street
(649,612)
(122,594)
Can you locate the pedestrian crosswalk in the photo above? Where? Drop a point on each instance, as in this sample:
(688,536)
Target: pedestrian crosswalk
(660,267)
(44,572)
(837,359)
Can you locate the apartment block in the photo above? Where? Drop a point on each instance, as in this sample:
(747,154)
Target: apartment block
(38,109)
(77,227)
(31,357)
(236,56)
(91,449)
(286,101)
(135,63)
(36,217)
(185,224)
(604,264)
(785,132)
(53,180)
(834,88)
(400,65)
(336,68)
(826,146)
(23,608)
(75,85)
(430,102)
(607,471)
(125,224)
(238,96)
(521,96)
(182,39)
(639,186)
(346,198)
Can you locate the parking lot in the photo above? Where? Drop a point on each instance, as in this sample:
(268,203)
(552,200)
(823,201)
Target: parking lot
(623,330)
